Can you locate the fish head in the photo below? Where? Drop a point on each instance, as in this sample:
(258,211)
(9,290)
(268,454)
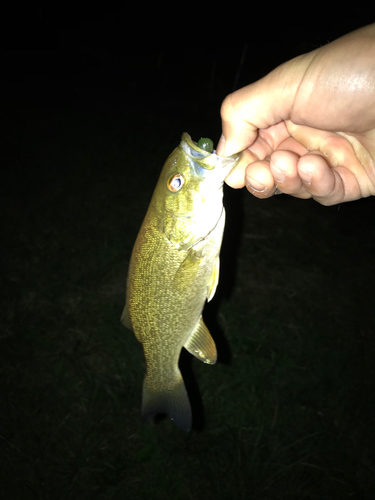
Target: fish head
(188,196)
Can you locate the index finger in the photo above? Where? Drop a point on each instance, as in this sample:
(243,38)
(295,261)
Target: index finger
(260,105)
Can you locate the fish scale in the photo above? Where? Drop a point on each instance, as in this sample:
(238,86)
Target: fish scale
(173,270)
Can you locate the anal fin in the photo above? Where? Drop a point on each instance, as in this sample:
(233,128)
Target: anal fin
(201,345)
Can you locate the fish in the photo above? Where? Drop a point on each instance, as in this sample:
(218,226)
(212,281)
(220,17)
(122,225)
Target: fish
(173,271)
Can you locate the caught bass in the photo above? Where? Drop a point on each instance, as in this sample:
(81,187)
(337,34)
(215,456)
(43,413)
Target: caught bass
(174,269)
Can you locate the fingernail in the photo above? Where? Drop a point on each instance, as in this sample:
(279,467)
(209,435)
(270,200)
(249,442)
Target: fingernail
(278,174)
(305,175)
(220,146)
(256,185)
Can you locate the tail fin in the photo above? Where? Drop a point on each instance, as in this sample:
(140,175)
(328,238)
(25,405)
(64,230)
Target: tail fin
(174,402)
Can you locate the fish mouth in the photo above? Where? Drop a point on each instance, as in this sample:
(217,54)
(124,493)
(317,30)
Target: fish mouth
(199,158)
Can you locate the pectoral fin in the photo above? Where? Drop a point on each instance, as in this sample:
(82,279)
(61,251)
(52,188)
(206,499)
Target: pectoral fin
(125,319)
(201,345)
(214,280)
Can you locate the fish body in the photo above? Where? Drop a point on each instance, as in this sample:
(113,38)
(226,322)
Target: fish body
(173,270)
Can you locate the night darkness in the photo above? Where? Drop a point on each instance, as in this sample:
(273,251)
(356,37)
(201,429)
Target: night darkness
(90,112)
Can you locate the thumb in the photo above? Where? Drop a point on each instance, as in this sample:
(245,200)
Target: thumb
(239,129)
(260,105)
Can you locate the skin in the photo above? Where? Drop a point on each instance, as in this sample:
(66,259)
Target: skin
(307,129)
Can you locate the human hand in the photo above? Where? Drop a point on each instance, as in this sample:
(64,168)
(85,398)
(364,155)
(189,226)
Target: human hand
(308,128)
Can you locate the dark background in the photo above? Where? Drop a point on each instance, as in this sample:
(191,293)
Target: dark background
(93,101)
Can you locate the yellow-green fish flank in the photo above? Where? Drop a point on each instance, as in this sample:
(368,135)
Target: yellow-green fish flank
(174,269)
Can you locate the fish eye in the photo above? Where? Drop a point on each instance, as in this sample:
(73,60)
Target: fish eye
(175,182)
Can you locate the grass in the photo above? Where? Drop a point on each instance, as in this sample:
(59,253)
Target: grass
(287,412)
